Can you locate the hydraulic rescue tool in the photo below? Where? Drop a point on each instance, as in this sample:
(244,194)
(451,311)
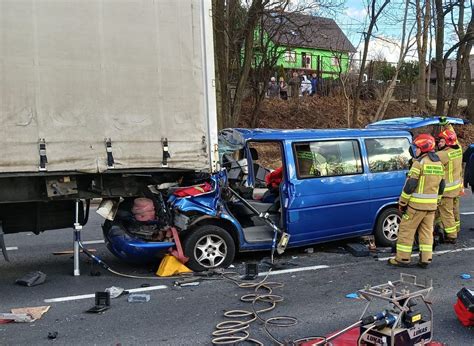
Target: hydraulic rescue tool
(407,320)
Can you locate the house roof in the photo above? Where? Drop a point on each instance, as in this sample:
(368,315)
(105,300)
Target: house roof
(451,69)
(302,30)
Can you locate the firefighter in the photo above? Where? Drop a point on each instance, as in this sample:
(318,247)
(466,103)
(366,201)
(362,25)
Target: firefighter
(418,202)
(450,154)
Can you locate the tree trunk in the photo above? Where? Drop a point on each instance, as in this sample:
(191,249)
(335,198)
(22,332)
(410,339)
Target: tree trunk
(403,52)
(374,14)
(254,12)
(422,23)
(440,66)
(462,61)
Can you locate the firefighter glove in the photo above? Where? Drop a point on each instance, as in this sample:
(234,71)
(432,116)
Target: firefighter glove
(443,121)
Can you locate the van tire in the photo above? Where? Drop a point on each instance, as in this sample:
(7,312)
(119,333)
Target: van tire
(208,247)
(386,231)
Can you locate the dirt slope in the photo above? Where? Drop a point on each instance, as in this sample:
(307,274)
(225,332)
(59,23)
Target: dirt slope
(329,112)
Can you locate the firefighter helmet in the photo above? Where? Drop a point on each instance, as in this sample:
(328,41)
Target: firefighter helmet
(425,142)
(449,137)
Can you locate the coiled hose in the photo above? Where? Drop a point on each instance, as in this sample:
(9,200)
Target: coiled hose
(236,329)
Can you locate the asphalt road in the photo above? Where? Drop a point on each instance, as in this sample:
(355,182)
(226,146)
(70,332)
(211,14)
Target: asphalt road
(314,291)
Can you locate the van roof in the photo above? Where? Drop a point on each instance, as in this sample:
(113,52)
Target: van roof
(236,135)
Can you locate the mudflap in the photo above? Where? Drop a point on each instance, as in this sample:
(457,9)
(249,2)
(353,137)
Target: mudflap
(2,243)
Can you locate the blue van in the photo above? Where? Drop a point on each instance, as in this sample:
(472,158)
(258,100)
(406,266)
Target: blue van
(334,184)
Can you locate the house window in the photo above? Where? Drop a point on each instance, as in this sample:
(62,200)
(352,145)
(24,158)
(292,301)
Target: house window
(335,61)
(290,56)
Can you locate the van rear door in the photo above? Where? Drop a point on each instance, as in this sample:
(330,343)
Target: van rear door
(410,123)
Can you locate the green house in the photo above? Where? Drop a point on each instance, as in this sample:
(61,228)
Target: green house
(307,43)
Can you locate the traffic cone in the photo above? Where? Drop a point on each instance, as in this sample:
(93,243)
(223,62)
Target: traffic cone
(170,266)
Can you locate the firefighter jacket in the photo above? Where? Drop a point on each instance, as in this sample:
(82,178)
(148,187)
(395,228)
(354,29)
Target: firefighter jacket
(424,184)
(452,162)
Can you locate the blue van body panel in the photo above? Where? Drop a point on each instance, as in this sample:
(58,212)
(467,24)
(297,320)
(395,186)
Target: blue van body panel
(318,209)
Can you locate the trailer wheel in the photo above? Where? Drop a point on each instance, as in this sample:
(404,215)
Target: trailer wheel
(386,229)
(208,247)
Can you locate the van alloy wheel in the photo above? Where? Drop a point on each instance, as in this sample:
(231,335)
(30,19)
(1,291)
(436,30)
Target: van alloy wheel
(210,251)
(208,247)
(391,225)
(387,226)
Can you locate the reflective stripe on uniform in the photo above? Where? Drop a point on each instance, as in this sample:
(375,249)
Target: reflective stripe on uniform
(451,188)
(458,223)
(433,170)
(426,247)
(450,171)
(425,198)
(404,248)
(413,170)
(450,229)
(405,195)
(421,184)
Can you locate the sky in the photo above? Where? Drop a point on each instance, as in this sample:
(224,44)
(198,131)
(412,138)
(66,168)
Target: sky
(353,21)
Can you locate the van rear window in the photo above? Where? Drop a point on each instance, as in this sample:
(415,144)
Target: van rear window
(328,158)
(388,154)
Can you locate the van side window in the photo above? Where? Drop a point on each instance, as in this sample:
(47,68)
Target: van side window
(328,158)
(388,154)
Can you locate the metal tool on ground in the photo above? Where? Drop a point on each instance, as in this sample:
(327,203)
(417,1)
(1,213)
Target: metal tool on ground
(408,321)
(284,237)
(102,302)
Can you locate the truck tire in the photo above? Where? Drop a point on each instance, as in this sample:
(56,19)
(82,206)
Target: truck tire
(386,228)
(208,247)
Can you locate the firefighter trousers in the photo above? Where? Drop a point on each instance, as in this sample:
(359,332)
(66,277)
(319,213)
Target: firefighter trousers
(447,216)
(415,221)
(457,215)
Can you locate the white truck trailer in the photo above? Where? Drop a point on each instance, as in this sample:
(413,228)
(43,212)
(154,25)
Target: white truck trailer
(100,99)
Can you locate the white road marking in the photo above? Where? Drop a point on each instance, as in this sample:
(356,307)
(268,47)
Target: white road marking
(435,253)
(87,242)
(294,270)
(468,213)
(87,296)
(12,248)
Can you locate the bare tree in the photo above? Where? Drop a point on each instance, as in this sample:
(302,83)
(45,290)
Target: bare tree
(404,48)
(462,56)
(234,27)
(423,18)
(441,11)
(374,13)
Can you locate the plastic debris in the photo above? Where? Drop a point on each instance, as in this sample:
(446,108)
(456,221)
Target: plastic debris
(32,279)
(114,291)
(466,276)
(309,250)
(20,318)
(138,298)
(34,312)
(352,296)
(52,335)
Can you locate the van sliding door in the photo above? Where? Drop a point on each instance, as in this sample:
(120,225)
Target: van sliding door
(328,191)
